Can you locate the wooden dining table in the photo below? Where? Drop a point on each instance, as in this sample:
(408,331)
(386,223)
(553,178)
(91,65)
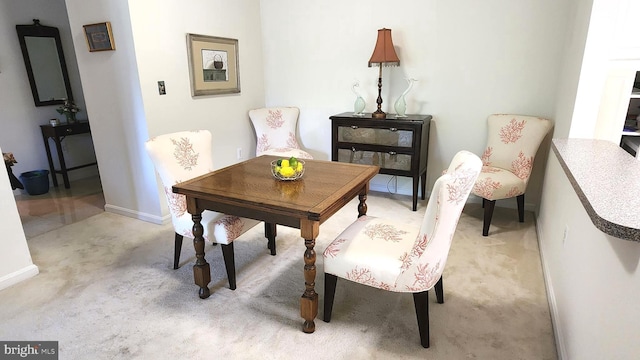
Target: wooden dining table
(248,189)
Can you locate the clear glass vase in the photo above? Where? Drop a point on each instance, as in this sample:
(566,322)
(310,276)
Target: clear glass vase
(401,104)
(71,117)
(359,104)
(401,107)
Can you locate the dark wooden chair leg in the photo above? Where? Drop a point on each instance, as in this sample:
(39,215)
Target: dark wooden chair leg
(421,302)
(229,264)
(330,281)
(176,250)
(270,233)
(439,291)
(520,199)
(488,213)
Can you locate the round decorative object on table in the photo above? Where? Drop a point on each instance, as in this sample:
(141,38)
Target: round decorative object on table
(287,175)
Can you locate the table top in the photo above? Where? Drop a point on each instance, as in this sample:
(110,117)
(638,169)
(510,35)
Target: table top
(249,189)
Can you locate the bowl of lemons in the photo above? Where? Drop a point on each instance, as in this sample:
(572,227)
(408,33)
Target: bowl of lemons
(287,169)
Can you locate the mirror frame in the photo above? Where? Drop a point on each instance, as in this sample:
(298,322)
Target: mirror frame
(37,30)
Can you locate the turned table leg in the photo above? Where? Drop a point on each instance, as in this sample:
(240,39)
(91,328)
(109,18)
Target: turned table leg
(362,205)
(201,270)
(309,301)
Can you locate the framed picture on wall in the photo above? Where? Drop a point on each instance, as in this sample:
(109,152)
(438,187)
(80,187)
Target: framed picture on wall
(213,65)
(99,36)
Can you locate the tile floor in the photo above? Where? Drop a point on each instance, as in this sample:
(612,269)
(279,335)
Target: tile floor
(59,207)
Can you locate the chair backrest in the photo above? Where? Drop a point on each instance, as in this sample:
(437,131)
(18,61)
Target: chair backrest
(424,265)
(512,142)
(179,157)
(275,128)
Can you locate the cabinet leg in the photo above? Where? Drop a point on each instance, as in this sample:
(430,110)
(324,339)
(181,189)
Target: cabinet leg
(415,192)
(423,185)
(52,170)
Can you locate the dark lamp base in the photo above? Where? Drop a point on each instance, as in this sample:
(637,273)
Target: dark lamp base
(378,115)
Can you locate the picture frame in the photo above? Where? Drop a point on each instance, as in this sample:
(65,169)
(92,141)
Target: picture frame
(99,36)
(213,65)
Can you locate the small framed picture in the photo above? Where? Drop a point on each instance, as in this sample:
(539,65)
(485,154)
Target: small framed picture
(213,65)
(99,36)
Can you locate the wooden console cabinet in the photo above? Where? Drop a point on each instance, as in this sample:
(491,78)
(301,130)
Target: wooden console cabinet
(58,133)
(399,146)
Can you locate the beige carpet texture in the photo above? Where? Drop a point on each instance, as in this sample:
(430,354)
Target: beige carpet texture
(107,290)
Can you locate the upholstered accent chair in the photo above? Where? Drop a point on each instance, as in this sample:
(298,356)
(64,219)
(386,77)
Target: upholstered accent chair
(182,156)
(382,253)
(276,132)
(512,143)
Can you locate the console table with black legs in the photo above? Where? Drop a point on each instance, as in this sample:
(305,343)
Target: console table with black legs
(57,133)
(399,146)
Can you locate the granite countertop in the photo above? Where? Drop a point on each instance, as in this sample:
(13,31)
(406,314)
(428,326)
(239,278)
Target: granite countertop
(607,181)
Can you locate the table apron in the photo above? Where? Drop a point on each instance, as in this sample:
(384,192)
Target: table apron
(336,206)
(273,216)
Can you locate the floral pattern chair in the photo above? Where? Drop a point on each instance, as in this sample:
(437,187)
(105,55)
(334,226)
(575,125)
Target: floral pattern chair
(276,132)
(383,254)
(182,156)
(512,143)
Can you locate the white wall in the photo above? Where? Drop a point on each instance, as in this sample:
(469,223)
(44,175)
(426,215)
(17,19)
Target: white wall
(161,54)
(114,104)
(123,100)
(591,278)
(16,264)
(19,117)
(471,59)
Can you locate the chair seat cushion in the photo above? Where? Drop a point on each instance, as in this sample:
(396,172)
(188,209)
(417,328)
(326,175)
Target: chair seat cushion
(370,251)
(287,152)
(218,228)
(495,183)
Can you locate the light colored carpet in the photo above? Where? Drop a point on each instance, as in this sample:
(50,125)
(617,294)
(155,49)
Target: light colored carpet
(107,290)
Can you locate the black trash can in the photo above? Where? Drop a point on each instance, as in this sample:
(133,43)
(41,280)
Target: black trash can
(35,182)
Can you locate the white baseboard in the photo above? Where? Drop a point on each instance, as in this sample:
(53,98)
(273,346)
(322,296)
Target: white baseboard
(137,215)
(551,298)
(18,276)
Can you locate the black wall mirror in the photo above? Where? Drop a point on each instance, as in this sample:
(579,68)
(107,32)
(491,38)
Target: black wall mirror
(44,60)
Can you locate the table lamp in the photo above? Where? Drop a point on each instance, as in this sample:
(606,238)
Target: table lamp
(383,54)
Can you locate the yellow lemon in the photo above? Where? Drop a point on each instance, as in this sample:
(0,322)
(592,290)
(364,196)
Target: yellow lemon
(299,167)
(284,163)
(287,171)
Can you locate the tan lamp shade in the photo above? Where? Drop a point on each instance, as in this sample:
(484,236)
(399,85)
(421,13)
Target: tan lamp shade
(384,53)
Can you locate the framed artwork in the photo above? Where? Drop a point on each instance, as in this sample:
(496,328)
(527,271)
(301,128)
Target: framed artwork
(213,65)
(99,36)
